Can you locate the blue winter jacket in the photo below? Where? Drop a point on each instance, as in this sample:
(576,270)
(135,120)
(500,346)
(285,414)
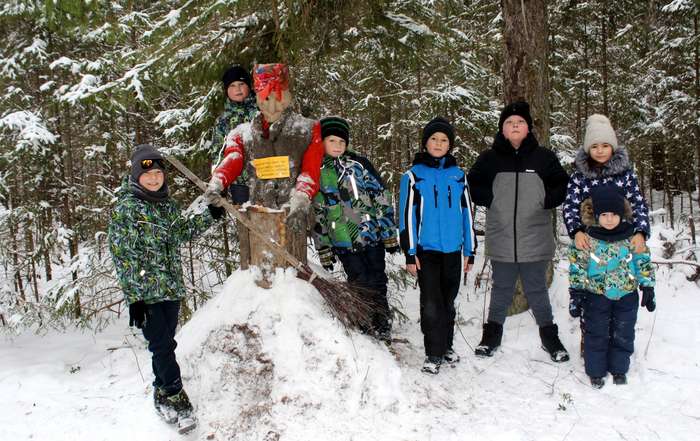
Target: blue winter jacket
(435,209)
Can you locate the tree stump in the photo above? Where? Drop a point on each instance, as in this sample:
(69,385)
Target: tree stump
(261,255)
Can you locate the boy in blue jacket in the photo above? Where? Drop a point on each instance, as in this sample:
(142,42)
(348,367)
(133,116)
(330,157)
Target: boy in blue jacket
(603,287)
(436,230)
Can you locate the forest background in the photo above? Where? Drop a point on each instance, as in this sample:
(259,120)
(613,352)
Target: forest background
(83,82)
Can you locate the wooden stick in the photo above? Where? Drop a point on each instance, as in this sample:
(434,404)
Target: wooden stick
(231,209)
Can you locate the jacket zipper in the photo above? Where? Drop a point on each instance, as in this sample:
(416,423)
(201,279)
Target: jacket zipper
(515,211)
(435,193)
(449,196)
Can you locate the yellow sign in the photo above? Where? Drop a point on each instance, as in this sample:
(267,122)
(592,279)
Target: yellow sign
(272,167)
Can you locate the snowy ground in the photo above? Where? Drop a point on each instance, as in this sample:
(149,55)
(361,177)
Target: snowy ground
(271,365)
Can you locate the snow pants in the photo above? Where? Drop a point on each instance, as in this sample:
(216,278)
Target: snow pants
(159,330)
(438,279)
(534,278)
(366,269)
(609,336)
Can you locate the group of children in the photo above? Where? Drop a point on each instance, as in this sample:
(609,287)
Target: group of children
(518,181)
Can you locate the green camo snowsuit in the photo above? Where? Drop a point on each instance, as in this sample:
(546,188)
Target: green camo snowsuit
(145,239)
(352,208)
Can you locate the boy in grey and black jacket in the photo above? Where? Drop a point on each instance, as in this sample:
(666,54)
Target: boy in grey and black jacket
(519,182)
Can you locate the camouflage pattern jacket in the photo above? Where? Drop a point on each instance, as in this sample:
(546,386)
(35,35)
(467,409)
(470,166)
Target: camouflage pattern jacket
(352,207)
(145,239)
(234,115)
(611,268)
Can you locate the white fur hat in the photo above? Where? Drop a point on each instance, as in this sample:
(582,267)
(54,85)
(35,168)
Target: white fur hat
(599,131)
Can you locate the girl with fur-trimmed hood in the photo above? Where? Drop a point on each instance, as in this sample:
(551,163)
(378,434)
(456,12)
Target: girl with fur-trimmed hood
(601,161)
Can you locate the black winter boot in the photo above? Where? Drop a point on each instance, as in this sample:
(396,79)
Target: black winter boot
(490,340)
(551,343)
(619,379)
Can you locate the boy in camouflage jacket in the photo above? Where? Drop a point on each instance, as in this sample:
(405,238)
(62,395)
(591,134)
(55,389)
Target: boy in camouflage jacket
(354,220)
(603,288)
(240,107)
(145,235)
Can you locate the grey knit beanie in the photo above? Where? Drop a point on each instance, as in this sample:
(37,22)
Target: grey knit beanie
(599,131)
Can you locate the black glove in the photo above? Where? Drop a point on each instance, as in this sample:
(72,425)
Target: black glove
(327,258)
(391,245)
(137,314)
(648,298)
(576,299)
(216,212)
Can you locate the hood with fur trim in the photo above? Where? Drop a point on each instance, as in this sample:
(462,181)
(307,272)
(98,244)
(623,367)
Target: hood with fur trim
(588,218)
(618,163)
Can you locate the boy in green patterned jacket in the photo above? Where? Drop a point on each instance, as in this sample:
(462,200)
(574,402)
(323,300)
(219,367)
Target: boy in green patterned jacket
(145,235)
(355,220)
(603,287)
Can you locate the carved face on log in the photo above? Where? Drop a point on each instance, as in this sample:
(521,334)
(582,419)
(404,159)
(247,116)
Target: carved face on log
(272,107)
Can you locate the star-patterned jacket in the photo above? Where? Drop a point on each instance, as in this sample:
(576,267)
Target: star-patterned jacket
(617,171)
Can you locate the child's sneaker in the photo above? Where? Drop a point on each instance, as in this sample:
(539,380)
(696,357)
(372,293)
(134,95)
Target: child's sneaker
(597,382)
(450,357)
(619,379)
(431,365)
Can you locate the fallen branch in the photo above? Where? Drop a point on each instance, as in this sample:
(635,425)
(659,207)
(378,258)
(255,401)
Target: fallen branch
(348,303)
(674,262)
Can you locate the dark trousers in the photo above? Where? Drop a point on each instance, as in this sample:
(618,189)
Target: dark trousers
(438,279)
(534,278)
(609,337)
(159,330)
(366,269)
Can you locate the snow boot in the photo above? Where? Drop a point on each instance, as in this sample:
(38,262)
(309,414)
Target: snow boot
(550,342)
(619,379)
(180,403)
(431,365)
(160,402)
(490,340)
(597,382)
(450,357)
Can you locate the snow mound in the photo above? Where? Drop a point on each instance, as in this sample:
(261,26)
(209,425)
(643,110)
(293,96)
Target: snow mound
(260,363)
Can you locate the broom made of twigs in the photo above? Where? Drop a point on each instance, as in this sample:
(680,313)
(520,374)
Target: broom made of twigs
(349,304)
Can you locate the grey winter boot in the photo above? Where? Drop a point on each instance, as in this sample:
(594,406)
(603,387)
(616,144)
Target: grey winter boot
(160,402)
(550,342)
(181,405)
(490,340)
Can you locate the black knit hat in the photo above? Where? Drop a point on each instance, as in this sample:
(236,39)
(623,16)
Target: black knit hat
(145,158)
(334,125)
(607,199)
(520,108)
(441,125)
(236,73)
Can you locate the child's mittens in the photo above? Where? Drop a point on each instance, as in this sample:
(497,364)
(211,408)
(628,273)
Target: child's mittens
(576,298)
(327,258)
(648,298)
(391,245)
